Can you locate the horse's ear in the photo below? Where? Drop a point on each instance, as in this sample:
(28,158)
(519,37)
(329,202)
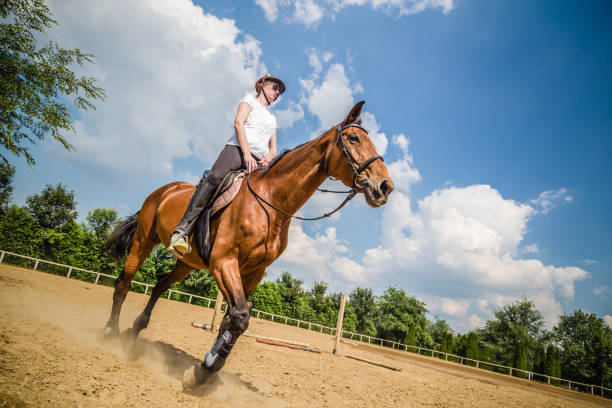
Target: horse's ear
(354,114)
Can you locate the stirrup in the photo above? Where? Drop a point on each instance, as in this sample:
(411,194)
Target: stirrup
(178,244)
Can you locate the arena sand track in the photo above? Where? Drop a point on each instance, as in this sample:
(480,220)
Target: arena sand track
(52,355)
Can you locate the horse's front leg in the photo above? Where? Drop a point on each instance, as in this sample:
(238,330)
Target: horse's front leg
(234,323)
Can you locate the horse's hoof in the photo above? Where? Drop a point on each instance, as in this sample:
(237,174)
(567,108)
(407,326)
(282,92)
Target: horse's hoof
(193,377)
(110,332)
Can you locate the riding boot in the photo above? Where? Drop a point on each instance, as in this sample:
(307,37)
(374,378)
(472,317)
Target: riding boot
(197,204)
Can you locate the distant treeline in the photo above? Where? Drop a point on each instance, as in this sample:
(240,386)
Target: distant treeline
(578,348)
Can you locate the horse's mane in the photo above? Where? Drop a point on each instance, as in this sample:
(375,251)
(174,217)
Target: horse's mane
(284,152)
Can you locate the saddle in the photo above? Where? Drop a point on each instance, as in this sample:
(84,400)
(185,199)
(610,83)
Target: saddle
(224,194)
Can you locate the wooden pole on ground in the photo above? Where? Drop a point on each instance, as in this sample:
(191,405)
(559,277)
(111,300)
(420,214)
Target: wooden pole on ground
(217,312)
(339,325)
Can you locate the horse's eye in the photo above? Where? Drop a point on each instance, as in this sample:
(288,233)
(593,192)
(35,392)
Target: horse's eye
(353,138)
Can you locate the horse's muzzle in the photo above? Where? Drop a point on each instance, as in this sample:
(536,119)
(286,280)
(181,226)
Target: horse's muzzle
(377,193)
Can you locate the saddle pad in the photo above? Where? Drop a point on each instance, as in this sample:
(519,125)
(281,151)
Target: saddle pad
(228,195)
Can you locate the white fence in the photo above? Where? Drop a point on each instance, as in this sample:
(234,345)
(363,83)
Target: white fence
(325,329)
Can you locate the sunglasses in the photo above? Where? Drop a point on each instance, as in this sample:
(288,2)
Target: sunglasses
(275,87)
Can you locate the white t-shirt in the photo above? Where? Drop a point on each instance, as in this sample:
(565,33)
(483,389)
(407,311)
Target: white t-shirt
(259,128)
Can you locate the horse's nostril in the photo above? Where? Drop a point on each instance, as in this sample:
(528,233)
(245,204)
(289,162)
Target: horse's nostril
(385,188)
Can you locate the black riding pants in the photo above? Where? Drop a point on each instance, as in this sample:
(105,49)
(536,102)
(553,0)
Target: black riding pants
(229,159)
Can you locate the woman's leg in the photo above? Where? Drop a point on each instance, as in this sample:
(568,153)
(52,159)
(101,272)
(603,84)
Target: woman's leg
(229,159)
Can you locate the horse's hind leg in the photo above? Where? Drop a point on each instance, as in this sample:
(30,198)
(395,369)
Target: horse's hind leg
(142,246)
(180,271)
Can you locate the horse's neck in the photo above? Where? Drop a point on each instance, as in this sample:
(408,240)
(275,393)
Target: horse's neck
(295,178)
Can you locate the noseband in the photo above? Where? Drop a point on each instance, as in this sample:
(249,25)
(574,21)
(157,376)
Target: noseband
(352,162)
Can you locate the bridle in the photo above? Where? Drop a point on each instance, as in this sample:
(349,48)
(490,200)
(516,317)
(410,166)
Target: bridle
(352,162)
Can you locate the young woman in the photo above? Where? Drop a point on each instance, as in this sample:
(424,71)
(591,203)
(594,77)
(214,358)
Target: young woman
(252,145)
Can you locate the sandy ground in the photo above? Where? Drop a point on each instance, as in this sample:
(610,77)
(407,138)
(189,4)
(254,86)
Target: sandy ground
(52,355)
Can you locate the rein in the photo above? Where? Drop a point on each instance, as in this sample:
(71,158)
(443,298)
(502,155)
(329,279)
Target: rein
(352,162)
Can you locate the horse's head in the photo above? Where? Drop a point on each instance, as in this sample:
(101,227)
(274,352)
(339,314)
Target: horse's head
(353,159)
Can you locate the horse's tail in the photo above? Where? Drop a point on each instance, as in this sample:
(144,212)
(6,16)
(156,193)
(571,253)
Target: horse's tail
(119,243)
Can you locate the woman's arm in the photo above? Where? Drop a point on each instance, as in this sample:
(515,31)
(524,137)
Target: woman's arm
(271,153)
(243,112)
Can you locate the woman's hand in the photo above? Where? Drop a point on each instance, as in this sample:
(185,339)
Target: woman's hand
(251,163)
(266,160)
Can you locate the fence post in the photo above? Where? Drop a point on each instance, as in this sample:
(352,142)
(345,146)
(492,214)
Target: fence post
(510,371)
(548,378)
(36,265)
(217,311)
(339,324)
(1,256)
(257,311)
(69,269)
(97,279)
(569,385)
(190,297)
(461,360)
(477,364)
(146,289)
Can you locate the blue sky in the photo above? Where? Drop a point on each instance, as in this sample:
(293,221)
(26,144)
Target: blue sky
(494,118)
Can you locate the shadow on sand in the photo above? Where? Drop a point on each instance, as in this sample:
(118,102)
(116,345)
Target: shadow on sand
(174,361)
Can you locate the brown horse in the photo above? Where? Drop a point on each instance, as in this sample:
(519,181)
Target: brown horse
(248,234)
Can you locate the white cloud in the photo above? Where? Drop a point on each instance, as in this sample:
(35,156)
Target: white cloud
(462,243)
(310,12)
(403,173)
(270,7)
(320,258)
(307,12)
(531,249)
(590,261)
(602,290)
(608,320)
(548,200)
(171,92)
(331,100)
(368,121)
(474,321)
(454,307)
(287,117)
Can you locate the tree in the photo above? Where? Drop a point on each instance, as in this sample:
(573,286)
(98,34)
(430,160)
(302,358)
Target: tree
(34,81)
(200,282)
(552,363)
(538,360)
(7,172)
(586,348)
(520,360)
(267,297)
(439,331)
(19,232)
(54,207)
(398,313)
(101,221)
(363,303)
(291,291)
(472,350)
(515,323)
